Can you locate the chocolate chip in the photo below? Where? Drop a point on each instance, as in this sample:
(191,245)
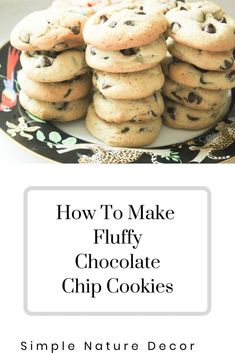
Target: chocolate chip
(103,96)
(155,96)
(130,51)
(103,19)
(113,24)
(176,95)
(61,106)
(105,86)
(142,129)
(175,27)
(202,80)
(125,130)
(76,30)
(183,8)
(227,65)
(171,112)
(106,57)
(192,118)
(194,98)
(152,113)
(141,8)
(44,62)
(67,93)
(223,20)
(231,76)
(129,23)
(210,28)
(140,13)
(24,37)
(92,51)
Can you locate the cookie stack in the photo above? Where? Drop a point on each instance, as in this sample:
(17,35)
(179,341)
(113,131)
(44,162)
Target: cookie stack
(54,80)
(125,47)
(200,71)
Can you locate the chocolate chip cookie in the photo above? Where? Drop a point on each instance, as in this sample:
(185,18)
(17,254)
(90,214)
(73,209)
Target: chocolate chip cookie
(215,61)
(127,134)
(66,91)
(123,26)
(195,98)
(127,60)
(50,29)
(192,76)
(63,112)
(119,111)
(51,66)
(178,116)
(129,85)
(202,25)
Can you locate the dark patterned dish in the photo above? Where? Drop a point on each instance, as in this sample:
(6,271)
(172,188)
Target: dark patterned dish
(215,146)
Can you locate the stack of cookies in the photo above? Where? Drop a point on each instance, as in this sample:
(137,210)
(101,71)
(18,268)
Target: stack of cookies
(200,71)
(54,82)
(125,47)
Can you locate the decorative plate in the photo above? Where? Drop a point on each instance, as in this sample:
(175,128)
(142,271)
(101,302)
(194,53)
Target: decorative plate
(71,143)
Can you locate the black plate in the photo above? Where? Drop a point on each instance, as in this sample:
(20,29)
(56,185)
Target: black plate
(215,146)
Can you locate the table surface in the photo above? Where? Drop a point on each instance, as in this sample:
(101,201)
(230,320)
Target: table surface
(11,12)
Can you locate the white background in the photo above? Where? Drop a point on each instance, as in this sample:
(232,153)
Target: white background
(180,244)
(213,333)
